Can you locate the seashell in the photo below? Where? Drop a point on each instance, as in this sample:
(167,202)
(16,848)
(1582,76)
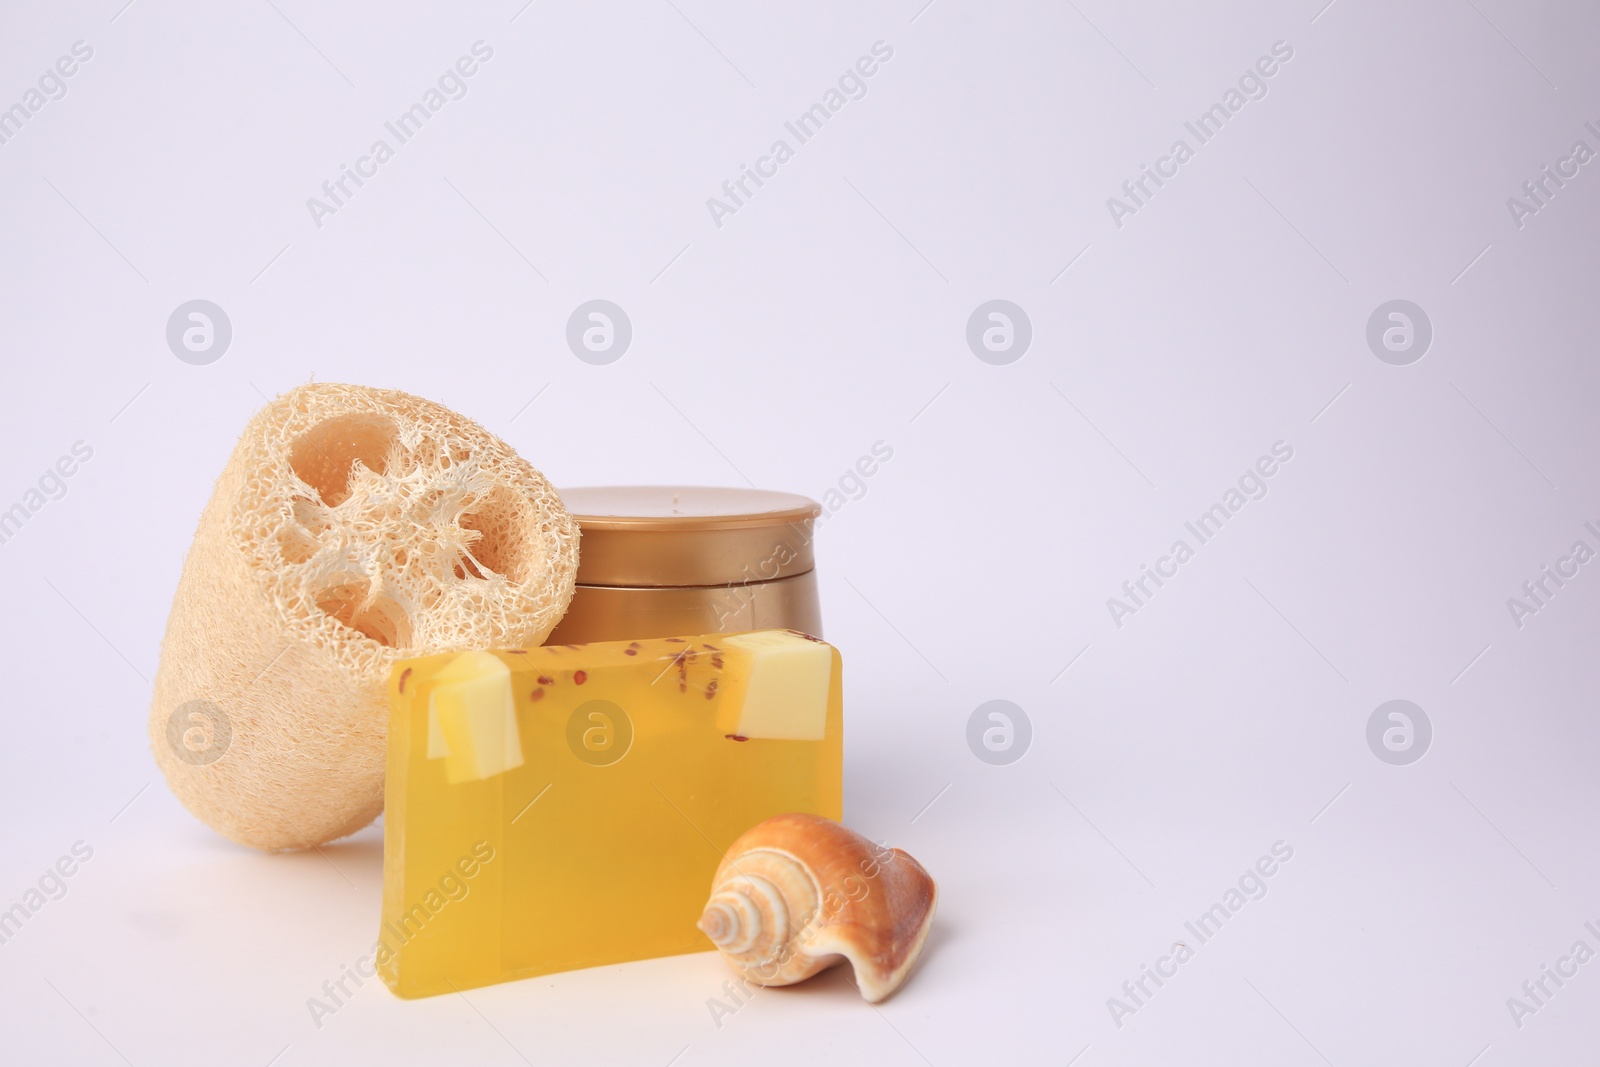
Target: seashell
(797,894)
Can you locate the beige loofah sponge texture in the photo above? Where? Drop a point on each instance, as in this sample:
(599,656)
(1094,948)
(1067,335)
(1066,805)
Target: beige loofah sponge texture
(351,527)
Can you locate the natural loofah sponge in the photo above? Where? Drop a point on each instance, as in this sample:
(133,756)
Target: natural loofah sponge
(350,528)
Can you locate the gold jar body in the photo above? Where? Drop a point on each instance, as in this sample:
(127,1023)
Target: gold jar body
(659,561)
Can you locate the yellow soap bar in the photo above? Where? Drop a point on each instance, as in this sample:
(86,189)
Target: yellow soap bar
(567,806)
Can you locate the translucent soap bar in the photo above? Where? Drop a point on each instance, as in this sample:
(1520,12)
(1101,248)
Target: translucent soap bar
(566,806)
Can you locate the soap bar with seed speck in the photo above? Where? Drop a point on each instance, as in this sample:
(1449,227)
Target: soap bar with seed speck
(566,806)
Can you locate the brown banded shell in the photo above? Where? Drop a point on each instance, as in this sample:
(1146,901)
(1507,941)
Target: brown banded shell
(799,893)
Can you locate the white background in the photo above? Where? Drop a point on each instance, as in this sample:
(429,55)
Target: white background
(827,314)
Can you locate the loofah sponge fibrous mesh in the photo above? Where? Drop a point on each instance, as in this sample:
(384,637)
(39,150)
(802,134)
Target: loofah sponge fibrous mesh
(351,527)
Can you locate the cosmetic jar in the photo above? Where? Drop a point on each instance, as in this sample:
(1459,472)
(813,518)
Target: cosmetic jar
(664,561)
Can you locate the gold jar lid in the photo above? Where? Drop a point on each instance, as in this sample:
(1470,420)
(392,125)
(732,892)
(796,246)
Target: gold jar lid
(688,535)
